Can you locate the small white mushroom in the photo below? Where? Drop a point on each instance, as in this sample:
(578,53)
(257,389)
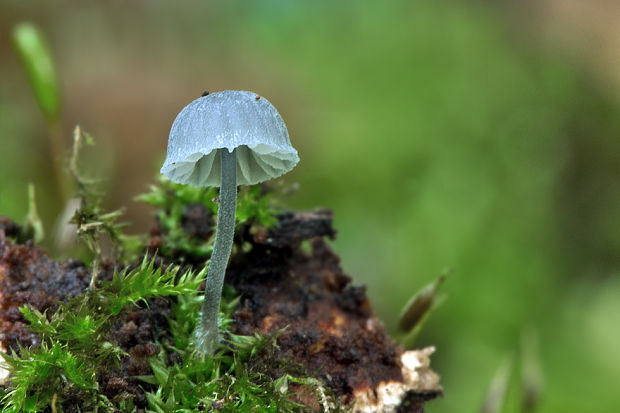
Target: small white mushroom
(226,139)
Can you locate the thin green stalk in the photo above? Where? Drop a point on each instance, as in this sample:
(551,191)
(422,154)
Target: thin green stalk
(207,337)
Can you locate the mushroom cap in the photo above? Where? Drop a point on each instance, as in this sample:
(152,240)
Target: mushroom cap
(228,120)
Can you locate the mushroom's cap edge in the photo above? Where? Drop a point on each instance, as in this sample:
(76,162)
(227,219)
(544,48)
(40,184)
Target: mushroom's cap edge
(254,165)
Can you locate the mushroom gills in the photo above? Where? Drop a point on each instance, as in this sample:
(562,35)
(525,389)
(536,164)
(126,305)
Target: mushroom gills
(253,166)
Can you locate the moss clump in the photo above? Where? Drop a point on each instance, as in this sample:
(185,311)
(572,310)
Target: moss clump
(179,207)
(75,343)
(187,381)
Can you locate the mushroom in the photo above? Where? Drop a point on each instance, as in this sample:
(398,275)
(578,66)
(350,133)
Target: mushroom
(226,139)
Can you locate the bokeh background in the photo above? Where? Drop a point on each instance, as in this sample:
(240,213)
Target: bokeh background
(472,135)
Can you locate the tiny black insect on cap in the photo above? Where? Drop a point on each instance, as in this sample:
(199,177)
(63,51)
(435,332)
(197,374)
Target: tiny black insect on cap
(205,93)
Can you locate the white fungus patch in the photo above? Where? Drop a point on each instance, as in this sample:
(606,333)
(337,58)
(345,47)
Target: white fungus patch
(388,396)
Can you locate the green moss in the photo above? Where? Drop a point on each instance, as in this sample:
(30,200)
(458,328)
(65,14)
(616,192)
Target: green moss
(74,339)
(254,207)
(223,382)
(75,350)
(92,221)
(172,200)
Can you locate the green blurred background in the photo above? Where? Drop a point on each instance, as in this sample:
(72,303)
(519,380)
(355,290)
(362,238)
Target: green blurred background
(478,136)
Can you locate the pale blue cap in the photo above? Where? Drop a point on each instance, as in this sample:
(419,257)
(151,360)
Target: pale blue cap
(228,120)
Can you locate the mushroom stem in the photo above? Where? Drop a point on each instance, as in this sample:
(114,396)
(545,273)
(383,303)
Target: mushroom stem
(207,337)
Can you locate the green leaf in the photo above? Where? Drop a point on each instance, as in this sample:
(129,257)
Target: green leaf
(498,387)
(33,226)
(420,305)
(532,380)
(34,54)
